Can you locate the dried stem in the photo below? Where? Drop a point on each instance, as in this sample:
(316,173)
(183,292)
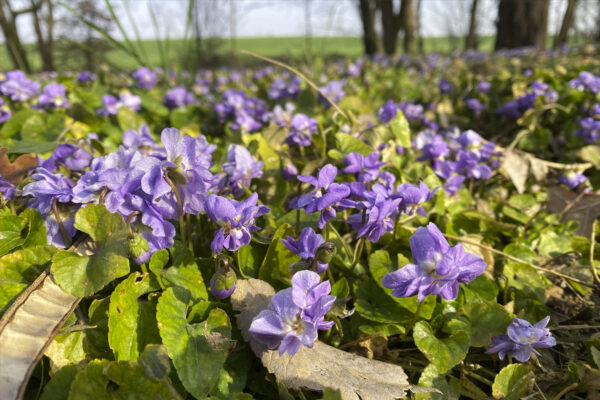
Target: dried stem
(513,258)
(301,75)
(592,245)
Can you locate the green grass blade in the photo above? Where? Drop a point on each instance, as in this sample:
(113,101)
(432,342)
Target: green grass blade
(138,37)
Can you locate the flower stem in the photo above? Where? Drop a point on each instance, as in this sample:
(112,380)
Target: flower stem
(179,208)
(61,227)
(416,315)
(358,251)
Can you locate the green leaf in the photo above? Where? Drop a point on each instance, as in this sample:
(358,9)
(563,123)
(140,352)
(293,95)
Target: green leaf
(20,268)
(123,315)
(96,339)
(401,129)
(340,288)
(133,383)
(185,273)
(158,261)
(349,144)
(233,375)
(432,378)
(487,320)
(36,230)
(155,361)
(14,124)
(266,153)
(129,119)
(66,349)
(10,233)
(199,350)
(275,266)
(331,394)
(443,353)
(84,275)
(59,386)
(527,279)
(91,383)
(480,290)
(249,259)
(513,382)
(522,252)
(551,244)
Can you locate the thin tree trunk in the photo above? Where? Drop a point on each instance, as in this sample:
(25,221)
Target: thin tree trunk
(420,41)
(391,24)
(471,41)
(566,25)
(522,23)
(409,24)
(367,16)
(44,47)
(11,36)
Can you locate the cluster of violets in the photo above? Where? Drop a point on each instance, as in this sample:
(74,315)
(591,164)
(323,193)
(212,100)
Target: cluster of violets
(247,114)
(537,90)
(456,156)
(295,315)
(150,185)
(521,339)
(373,194)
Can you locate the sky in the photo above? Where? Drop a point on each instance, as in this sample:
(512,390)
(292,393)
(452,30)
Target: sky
(272,18)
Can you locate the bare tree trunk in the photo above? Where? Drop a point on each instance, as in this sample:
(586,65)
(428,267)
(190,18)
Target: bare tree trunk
(471,41)
(8,25)
(391,24)
(44,45)
(367,15)
(409,24)
(420,41)
(566,25)
(522,23)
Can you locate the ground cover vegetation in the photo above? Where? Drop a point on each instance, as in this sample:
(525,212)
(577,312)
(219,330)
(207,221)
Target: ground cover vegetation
(434,213)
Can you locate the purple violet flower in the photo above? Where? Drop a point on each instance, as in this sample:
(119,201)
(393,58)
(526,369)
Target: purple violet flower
(86,77)
(521,339)
(445,86)
(240,168)
(380,216)
(413,197)
(145,77)
(388,111)
(366,169)
(474,105)
(306,246)
(236,219)
(571,179)
(178,97)
(438,268)
(295,315)
(301,130)
(53,96)
(325,196)
(5,113)
(73,157)
(483,86)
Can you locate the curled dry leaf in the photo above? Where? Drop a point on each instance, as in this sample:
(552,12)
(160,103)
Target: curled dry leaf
(584,207)
(516,168)
(323,365)
(15,172)
(29,326)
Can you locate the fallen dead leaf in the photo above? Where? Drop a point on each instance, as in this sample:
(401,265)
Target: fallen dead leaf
(516,168)
(15,172)
(584,208)
(322,366)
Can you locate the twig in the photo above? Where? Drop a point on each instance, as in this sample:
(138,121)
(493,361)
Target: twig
(565,391)
(513,258)
(573,327)
(301,75)
(592,245)
(539,390)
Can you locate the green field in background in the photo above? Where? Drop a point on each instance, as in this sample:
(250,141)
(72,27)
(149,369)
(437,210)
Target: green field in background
(291,48)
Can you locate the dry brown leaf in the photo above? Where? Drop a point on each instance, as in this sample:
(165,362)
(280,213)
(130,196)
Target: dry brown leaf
(516,168)
(323,365)
(15,172)
(584,208)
